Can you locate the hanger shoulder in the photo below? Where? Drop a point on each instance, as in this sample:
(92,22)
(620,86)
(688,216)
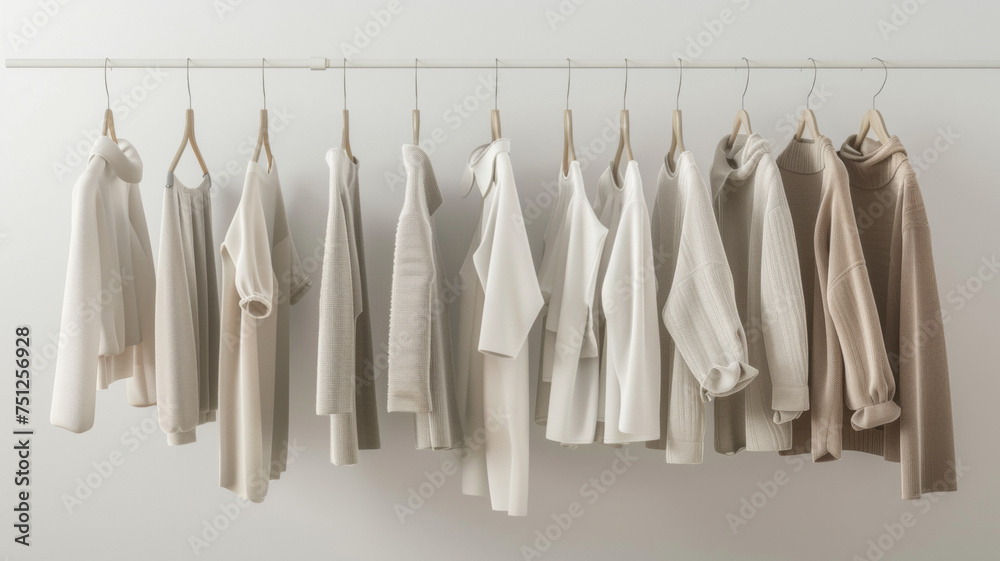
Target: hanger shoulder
(676,140)
(345,136)
(262,140)
(807,120)
(569,150)
(416,127)
(495,124)
(108,128)
(872,120)
(742,120)
(189,138)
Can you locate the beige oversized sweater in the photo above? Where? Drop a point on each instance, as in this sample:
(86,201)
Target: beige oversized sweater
(848,362)
(896,240)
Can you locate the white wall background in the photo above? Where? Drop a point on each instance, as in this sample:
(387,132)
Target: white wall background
(154,502)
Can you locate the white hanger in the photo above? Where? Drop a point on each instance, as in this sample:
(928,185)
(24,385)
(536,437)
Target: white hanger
(262,139)
(569,149)
(742,117)
(416,111)
(807,119)
(108,128)
(345,135)
(495,113)
(872,119)
(189,132)
(624,143)
(677,136)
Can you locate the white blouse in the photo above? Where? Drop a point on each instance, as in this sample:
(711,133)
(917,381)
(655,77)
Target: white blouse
(499,302)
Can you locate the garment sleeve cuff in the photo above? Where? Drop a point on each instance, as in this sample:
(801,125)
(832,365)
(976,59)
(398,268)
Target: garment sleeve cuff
(788,403)
(727,380)
(409,397)
(684,452)
(179,438)
(875,415)
(256,306)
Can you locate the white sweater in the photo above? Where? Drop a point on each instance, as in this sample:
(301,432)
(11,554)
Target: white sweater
(109,301)
(499,302)
(757,232)
(702,344)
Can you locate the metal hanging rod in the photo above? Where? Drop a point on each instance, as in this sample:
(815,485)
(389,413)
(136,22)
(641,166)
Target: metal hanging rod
(320,63)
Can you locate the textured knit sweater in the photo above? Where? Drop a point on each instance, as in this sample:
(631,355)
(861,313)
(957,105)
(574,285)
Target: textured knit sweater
(345,368)
(110,297)
(848,362)
(421,372)
(187,312)
(759,239)
(896,240)
(703,349)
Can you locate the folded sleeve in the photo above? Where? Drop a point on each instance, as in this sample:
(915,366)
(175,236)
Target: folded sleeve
(254,276)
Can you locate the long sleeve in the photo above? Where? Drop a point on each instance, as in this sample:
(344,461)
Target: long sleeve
(628,298)
(75,379)
(254,276)
(141,385)
(783,311)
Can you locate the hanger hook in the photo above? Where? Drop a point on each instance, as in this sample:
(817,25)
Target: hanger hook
(496,82)
(345,84)
(106,92)
(746,86)
(625,93)
(813,86)
(680,80)
(569,78)
(416,95)
(188,74)
(884,80)
(263,89)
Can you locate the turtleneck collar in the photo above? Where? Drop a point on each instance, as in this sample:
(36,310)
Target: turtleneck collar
(875,164)
(739,162)
(805,156)
(122,158)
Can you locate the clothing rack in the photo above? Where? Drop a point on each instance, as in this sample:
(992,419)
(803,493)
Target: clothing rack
(321,63)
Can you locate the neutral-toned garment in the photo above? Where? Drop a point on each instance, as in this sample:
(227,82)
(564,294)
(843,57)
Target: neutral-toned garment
(703,349)
(759,239)
(499,302)
(421,370)
(848,363)
(896,240)
(109,303)
(345,367)
(187,312)
(629,319)
(261,278)
(568,380)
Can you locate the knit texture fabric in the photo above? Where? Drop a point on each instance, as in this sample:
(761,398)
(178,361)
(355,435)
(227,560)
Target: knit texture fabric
(848,361)
(187,313)
(345,370)
(703,348)
(759,239)
(110,296)
(896,241)
(421,372)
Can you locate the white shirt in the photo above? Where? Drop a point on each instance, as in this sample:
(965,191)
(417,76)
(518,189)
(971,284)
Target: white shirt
(110,297)
(568,381)
(498,305)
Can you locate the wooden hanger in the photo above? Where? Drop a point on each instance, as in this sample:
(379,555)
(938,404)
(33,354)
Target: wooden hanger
(624,143)
(416,112)
(495,113)
(742,117)
(872,119)
(189,132)
(807,119)
(569,149)
(108,128)
(262,139)
(677,136)
(345,135)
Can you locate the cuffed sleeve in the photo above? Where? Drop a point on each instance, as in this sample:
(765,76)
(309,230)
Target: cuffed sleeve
(789,402)
(181,438)
(875,415)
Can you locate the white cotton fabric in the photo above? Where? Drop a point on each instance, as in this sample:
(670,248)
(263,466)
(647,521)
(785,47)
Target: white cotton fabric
(187,312)
(421,371)
(345,372)
(703,348)
(108,324)
(569,378)
(261,277)
(499,302)
(629,323)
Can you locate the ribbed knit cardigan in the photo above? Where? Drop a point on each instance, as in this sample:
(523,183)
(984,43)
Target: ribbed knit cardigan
(345,368)
(896,240)
(757,233)
(420,367)
(703,349)
(848,362)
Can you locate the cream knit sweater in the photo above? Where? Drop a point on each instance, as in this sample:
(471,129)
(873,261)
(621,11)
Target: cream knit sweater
(759,238)
(848,362)
(896,240)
